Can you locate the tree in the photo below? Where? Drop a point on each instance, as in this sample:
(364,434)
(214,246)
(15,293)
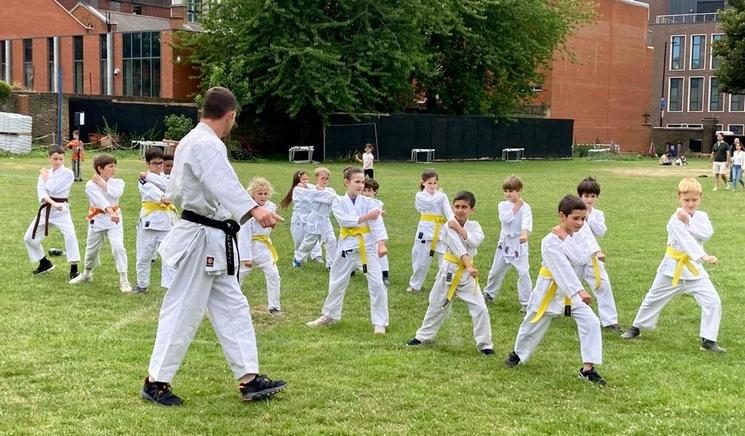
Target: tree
(731,48)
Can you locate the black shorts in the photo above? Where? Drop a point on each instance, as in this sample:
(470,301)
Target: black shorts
(369,173)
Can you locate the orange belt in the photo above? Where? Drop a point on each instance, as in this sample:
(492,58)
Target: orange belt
(94,211)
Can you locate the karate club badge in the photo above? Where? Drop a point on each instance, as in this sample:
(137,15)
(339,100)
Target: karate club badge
(210,261)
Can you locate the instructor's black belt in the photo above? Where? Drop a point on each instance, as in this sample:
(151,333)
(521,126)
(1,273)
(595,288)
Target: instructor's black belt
(48,207)
(230,227)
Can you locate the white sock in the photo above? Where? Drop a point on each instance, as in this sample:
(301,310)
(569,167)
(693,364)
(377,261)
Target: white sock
(123,278)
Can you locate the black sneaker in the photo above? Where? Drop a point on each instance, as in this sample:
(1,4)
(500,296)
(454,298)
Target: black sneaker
(55,252)
(708,345)
(74,274)
(512,360)
(592,376)
(138,290)
(44,267)
(159,393)
(414,342)
(631,333)
(615,328)
(386,282)
(275,312)
(487,352)
(260,387)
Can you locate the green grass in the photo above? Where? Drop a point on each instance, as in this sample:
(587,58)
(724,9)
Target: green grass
(72,359)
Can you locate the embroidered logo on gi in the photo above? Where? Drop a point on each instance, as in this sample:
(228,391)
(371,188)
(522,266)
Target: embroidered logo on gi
(210,261)
(449,277)
(147,224)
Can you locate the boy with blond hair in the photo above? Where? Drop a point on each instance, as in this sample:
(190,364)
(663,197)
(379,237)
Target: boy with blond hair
(682,270)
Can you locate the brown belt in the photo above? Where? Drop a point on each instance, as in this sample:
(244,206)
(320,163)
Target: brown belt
(48,207)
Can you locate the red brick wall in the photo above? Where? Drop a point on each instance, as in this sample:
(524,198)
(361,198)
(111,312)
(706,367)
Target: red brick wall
(17,62)
(87,18)
(41,65)
(66,63)
(91,65)
(36,18)
(177,77)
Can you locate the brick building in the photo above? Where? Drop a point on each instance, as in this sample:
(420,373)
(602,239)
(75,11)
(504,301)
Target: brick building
(117,52)
(605,89)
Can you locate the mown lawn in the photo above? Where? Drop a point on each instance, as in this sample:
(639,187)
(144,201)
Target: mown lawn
(72,359)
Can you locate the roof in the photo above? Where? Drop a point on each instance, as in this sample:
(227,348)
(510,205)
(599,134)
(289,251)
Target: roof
(126,22)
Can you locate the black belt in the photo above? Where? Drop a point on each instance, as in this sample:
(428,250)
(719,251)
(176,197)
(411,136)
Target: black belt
(48,207)
(230,227)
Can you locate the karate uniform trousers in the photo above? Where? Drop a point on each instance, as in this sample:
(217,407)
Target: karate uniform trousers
(510,252)
(62,220)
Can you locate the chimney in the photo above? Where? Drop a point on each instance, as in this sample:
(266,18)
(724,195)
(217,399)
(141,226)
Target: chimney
(178,17)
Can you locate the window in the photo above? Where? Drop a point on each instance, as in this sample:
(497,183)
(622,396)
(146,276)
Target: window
(677,43)
(193,10)
(103,51)
(695,94)
(737,103)
(141,59)
(716,98)
(675,95)
(737,129)
(698,52)
(77,78)
(137,10)
(714,59)
(2,62)
(720,127)
(28,64)
(676,126)
(50,63)
(695,126)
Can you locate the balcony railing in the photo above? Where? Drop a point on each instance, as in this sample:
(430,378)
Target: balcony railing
(687,18)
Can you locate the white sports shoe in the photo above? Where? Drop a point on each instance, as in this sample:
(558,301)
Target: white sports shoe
(412,290)
(321,321)
(82,278)
(379,330)
(125,287)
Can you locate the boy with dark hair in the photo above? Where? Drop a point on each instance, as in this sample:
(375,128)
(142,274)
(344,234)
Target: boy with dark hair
(201,248)
(371,191)
(558,273)
(104,221)
(457,277)
(592,269)
(157,217)
(167,165)
(52,190)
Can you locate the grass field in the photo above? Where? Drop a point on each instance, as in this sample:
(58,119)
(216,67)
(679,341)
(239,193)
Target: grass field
(72,359)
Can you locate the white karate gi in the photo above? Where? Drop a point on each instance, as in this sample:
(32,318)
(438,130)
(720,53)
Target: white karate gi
(318,226)
(258,252)
(384,266)
(427,204)
(301,199)
(688,238)
(511,252)
(100,226)
(467,290)
(152,228)
(58,185)
(586,239)
(204,182)
(561,258)
(347,214)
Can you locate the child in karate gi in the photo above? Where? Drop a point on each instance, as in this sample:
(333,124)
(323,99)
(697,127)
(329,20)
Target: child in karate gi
(52,190)
(435,211)
(318,226)
(362,238)
(256,247)
(592,270)
(157,217)
(371,191)
(457,277)
(516,220)
(104,221)
(299,197)
(682,270)
(558,286)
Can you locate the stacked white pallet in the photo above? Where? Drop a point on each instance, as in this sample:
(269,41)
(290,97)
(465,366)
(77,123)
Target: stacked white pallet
(15,133)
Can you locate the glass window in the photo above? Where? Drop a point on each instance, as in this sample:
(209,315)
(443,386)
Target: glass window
(142,65)
(675,95)
(698,51)
(193,10)
(77,78)
(2,61)
(103,55)
(28,63)
(677,43)
(716,98)
(136,45)
(715,59)
(696,94)
(737,103)
(155,45)
(737,129)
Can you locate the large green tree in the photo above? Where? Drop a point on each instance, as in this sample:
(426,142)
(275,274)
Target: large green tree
(315,57)
(731,48)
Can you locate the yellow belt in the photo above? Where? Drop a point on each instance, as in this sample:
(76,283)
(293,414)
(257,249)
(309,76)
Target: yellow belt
(683,260)
(439,220)
(450,257)
(359,232)
(268,242)
(152,206)
(546,274)
(596,271)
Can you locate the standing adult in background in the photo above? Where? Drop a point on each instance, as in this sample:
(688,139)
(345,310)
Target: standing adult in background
(201,247)
(720,157)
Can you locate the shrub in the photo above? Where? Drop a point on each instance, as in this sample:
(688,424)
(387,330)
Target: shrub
(177,126)
(4,92)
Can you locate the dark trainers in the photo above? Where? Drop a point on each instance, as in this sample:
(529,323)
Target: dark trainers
(615,328)
(707,345)
(414,342)
(275,312)
(487,352)
(631,333)
(260,387)
(592,376)
(44,267)
(74,274)
(139,290)
(512,360)
(159,393)
(55,252)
